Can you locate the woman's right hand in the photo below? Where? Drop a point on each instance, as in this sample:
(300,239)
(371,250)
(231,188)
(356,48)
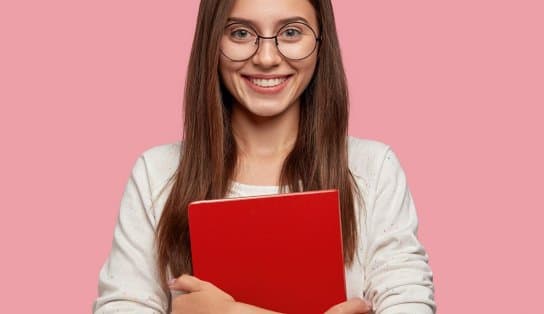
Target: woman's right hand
(351,306)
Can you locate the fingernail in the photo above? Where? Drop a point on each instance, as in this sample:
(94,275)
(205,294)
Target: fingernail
(368,303)
(172,281)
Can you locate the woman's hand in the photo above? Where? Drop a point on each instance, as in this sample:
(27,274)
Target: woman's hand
(351,306)
(202,297)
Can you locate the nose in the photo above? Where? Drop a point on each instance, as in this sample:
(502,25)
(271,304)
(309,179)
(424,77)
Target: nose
(267,53)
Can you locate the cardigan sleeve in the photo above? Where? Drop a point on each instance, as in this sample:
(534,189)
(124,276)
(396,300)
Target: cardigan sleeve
(128,280)
(398,277)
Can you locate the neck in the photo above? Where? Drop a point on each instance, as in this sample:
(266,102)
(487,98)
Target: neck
(265,137)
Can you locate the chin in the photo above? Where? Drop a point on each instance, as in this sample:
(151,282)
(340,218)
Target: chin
(267,111)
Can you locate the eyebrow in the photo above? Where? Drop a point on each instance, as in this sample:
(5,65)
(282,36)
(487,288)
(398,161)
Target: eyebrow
(280,22)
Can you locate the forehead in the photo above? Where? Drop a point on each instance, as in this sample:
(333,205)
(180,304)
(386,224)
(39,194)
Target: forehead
(269,14)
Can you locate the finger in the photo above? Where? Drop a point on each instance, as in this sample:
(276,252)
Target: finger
(186,283)
(357,305)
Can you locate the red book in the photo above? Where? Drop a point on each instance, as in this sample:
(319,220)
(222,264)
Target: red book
(281,252)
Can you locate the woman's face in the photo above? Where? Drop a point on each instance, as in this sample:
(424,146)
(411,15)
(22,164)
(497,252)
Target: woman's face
(267,84)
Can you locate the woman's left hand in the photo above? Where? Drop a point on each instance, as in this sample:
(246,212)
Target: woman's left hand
(201,297)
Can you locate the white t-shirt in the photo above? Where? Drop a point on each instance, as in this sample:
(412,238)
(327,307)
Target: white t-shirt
(391,267)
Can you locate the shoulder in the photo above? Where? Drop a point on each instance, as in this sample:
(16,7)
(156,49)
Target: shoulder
(160,163)
(366,156)
(376,169)
(162,154)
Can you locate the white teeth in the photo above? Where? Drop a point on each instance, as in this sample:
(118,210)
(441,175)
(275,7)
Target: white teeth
(268,83)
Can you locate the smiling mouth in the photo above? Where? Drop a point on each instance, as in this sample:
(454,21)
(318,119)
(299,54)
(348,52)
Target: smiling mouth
(269,82)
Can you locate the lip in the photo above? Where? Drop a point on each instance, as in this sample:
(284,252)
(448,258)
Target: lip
(267,90)
(266,76)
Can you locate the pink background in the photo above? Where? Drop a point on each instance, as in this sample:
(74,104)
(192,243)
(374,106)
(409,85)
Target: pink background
(456,88)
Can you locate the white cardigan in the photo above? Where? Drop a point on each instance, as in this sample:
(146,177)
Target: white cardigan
(391,269)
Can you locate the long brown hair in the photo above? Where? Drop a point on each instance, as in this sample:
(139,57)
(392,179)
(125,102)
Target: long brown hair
(208,153)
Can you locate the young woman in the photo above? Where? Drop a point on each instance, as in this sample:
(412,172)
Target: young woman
(266,111)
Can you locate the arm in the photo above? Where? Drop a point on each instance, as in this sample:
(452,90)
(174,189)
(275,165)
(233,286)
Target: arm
(204,297)
(128,281)
(242,308)
(355,305)
(399,279)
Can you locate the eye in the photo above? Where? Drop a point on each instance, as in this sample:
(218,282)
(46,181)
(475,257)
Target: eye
(291,34)
(240,34)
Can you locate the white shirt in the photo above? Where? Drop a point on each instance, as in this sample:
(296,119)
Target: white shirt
(391,268)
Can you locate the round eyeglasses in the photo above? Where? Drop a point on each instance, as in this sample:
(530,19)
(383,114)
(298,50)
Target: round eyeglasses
(295,41)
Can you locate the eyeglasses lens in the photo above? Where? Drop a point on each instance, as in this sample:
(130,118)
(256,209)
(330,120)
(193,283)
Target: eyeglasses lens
(294,41)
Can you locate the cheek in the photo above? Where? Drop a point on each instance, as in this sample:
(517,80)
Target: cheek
(308,71)
(226,76)
(228,71)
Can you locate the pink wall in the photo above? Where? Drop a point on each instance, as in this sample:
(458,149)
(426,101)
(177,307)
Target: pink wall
(456,88)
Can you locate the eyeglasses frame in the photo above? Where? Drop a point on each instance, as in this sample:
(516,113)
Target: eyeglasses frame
(318,39)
